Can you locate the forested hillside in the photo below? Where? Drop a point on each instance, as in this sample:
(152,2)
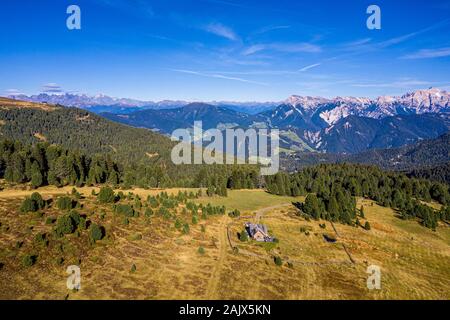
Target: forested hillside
(140,157)
(79,129)
(424,154)
(332,189)
(439,173)
(48,164)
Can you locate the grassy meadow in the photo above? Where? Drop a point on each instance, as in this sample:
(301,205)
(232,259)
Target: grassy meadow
(149,258)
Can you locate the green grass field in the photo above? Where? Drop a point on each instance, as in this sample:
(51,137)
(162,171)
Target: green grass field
(249,200)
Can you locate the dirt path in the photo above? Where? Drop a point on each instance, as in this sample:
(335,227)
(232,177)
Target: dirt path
(213,283)
(343,244)
(52,190)
(45,191)
(261,212)
(257,218)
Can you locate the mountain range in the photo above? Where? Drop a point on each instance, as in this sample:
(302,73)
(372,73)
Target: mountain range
(80,129)
(103,103)
(339,125)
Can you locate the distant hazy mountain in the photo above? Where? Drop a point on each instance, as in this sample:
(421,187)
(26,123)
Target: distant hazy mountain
(103,103)
(248,107)
(168,120)
(338,125)
(81,100)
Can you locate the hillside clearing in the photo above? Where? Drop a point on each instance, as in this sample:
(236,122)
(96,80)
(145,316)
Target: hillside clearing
(414,260)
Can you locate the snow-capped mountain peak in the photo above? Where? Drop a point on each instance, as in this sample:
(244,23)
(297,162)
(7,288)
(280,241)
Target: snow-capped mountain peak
(306,102)
(432,100)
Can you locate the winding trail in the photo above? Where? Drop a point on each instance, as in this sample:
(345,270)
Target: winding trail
(212,291)
(261,212)
(213,283)
(225,242)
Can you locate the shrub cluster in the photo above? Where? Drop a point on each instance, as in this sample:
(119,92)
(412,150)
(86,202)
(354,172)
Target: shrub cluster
(65,203)
(33,203)
(234,214)
(106,195)
(96,232)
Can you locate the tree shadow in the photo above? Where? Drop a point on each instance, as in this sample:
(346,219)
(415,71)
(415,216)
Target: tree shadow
(298,205)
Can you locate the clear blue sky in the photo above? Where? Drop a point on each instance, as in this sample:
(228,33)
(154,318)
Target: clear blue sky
(207,50)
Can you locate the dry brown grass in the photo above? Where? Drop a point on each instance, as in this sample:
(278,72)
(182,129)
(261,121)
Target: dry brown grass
(414,260)
(40,136)
(151,155)
(7,103)
(85,118)
(21,191)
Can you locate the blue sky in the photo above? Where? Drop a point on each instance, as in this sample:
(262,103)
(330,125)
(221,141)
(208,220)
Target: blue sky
(241,50)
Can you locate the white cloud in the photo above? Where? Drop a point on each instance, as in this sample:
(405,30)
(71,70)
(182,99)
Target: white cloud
(296,47)
(357,45)
(367,45)
(222,31)
(358,42)
(283,47)
(253,49)
(428,53)
(52,88)
(405,37)
(309,67)
(271,28)
(218,76)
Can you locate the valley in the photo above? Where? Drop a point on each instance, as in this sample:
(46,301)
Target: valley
(77,189)
(341,125)
(424,155)
(224,158)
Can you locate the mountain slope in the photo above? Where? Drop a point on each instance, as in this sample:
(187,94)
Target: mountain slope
(326,112)
(170,119)
(352,134)
(425,155)
(356,134)
(440,173)
(103,103)
(429,152)
(339,125)
(79,129)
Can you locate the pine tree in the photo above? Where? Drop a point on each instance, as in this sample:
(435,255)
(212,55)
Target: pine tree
(311,206)
(210,190)
(243,236)
(333,208)
(113,178)
(37,179)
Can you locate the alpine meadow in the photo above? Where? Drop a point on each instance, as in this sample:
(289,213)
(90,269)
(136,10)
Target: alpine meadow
(224,150)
